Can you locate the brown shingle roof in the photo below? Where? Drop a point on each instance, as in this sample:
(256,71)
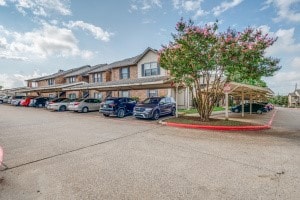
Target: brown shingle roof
(59,73)
(125,62)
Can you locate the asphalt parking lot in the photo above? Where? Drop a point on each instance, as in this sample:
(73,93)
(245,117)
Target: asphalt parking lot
(65,155)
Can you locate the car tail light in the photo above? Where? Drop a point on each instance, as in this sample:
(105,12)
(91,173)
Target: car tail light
(76,103)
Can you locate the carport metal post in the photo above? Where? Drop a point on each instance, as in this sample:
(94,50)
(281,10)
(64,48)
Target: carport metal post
(226,108)
(243,103)
(226,89)
(250,103)
(176,96)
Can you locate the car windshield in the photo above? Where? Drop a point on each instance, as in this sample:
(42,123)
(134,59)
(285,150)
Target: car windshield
(151,101)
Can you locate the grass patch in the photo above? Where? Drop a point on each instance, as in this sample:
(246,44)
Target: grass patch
(194,110)
(212,122)
(218,109)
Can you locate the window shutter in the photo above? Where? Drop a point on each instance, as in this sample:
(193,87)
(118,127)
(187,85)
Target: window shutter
(120,73)
(128,72)
(143,70)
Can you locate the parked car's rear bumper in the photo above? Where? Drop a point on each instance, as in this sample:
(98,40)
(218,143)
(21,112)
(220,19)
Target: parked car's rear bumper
(53,107)
(107,112)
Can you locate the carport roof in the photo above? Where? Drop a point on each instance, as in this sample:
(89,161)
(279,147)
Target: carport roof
(236,89)
(126,84)
(52,88)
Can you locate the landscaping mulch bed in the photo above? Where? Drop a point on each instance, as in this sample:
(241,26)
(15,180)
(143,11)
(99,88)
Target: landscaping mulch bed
(212,121)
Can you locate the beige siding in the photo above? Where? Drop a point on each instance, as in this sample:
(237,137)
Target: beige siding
(149,57)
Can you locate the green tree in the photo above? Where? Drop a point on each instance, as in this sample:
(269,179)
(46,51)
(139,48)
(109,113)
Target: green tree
(279,100)
(203,59)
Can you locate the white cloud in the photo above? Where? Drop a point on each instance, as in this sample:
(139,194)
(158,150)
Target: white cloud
(2,3)
(296,64)
(97,32)
(285,44)
(287,50)
(148,21)
(285,9)
(283,82)
(144,5)
(47,41)
(17,80)
(43,7)
(190,6)
(225,6)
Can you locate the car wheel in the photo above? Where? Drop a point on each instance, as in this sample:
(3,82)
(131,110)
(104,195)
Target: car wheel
(173,113)
(155,115)
(1,102)
(236,110)
(62,108)
(105,115)
(85,109)
(40,105)
(121,113)
(259,112)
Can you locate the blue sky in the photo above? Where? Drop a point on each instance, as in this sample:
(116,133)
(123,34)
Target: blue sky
(39,37)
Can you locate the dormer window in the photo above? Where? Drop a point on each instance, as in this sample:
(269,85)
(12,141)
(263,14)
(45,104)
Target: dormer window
(72,79)
(51,81)
(150,69)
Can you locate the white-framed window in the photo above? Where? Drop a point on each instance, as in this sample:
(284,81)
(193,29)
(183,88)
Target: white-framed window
(98,95)
(34,84)
(152,93)
(51,81)
(124,73)
(97,78)
(150,69)
(124,94)
(72,96)
(72,79)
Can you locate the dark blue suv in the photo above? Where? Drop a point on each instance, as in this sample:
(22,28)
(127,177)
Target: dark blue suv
(119,106)
(154,107)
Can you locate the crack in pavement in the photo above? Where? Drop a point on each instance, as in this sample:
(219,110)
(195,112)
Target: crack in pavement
(78,149)
(223,158)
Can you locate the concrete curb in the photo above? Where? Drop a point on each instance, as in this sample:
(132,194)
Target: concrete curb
(223,128)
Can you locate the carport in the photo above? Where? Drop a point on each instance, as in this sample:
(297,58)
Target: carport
(245,92)
(125,84)
(52,88)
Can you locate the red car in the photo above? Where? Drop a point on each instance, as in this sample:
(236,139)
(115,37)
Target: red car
(26,101)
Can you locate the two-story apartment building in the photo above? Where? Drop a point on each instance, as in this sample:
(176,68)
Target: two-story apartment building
(139,76)
(53,85)
(294,98)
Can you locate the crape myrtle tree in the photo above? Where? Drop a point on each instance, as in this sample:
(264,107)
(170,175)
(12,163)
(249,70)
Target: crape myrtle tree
(203,59)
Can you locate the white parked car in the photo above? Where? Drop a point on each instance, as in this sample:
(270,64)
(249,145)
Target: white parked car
(85,105)
(16,100)
(4,99)
(60,106)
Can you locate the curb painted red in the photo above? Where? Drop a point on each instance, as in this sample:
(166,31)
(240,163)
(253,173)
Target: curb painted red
(224,128)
